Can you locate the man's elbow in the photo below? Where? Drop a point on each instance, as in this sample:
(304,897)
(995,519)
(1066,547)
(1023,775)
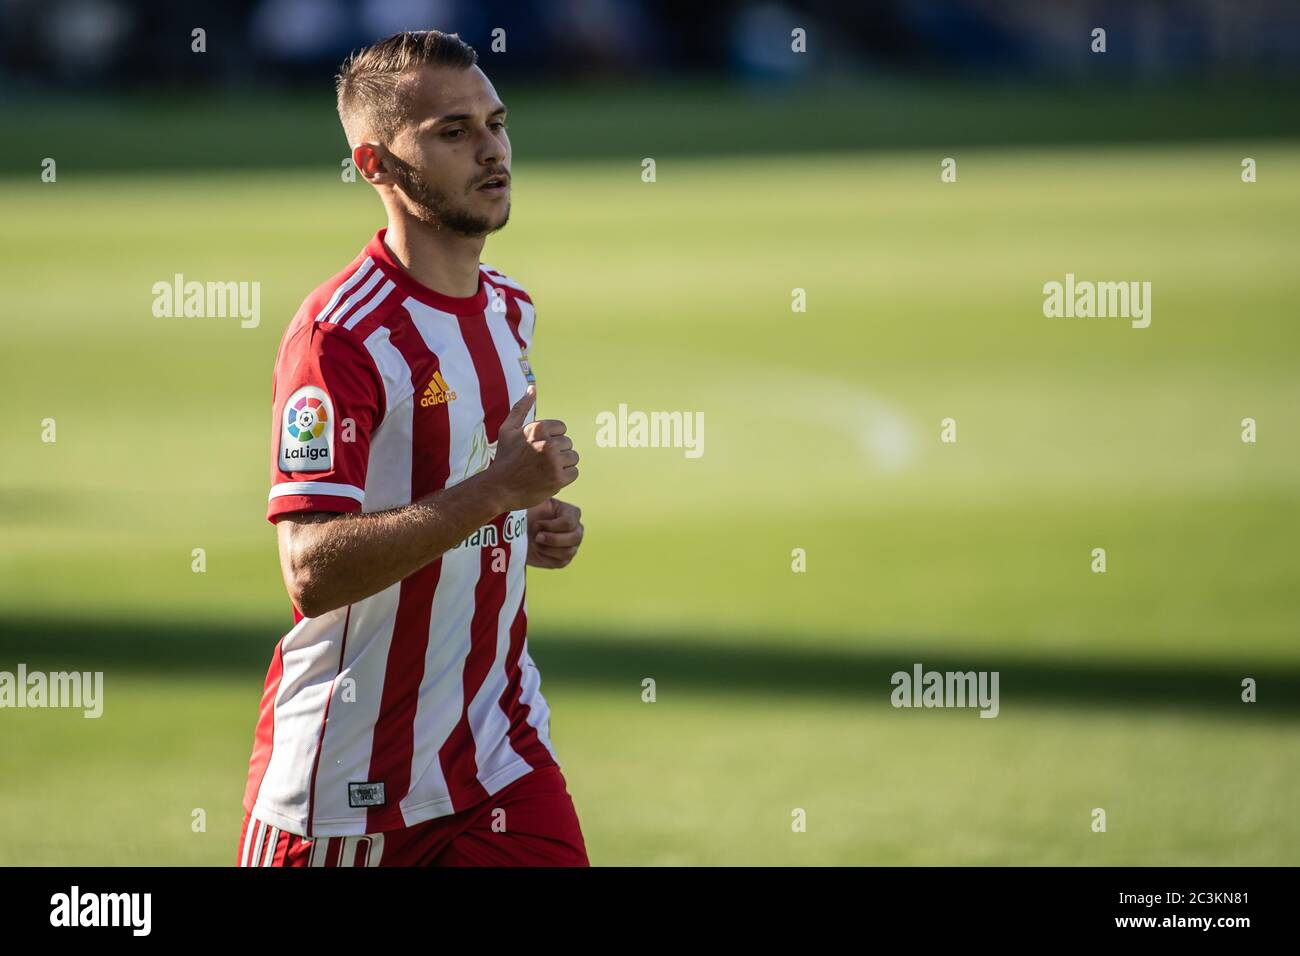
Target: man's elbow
(302,593)
(302,565)
(306,595)
(303,585)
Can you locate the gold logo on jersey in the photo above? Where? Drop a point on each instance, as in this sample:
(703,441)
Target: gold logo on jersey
(438,392)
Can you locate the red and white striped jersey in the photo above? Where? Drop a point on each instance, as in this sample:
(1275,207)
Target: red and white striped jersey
(421,700)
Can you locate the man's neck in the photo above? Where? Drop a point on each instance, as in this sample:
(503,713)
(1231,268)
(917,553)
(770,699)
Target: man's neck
(438,259)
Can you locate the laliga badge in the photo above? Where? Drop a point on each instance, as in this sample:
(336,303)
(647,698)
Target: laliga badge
(527,369)
(307,431)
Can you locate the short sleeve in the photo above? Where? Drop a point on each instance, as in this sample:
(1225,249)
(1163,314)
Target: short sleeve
(328,401)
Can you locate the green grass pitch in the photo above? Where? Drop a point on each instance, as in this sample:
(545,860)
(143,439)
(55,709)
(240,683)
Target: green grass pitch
(924,302)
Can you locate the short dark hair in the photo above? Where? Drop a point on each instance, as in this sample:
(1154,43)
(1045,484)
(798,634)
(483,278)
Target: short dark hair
(367,81)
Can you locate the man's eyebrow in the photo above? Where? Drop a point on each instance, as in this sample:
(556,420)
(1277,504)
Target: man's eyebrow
(457,117)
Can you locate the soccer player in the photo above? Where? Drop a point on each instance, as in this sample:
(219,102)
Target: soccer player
(402,722)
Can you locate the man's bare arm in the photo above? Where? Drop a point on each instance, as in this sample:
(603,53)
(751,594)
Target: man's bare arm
(332,560)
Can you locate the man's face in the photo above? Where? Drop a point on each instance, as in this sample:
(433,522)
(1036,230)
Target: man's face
(451,157)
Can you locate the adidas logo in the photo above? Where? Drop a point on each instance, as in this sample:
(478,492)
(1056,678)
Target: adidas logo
(438,392)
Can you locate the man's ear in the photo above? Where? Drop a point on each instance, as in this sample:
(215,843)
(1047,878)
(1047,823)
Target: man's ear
(369,159)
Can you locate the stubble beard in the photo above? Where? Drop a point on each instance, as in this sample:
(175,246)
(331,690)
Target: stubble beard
(438,209)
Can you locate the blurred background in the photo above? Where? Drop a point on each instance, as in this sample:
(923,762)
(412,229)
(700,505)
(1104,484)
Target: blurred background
(217,155)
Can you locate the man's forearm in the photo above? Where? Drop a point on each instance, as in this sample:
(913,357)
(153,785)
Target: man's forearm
(340,560)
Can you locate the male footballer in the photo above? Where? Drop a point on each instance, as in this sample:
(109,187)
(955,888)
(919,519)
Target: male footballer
(402,723)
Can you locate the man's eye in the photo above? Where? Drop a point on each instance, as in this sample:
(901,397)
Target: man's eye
(451,133)
(499,124)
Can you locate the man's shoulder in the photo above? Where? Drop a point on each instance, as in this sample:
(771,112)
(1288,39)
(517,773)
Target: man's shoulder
(345,307)
(348,298)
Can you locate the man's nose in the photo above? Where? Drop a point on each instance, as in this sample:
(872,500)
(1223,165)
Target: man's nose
(490,151)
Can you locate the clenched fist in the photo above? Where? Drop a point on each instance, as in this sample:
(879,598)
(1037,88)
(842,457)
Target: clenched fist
(533,461)
(554,533)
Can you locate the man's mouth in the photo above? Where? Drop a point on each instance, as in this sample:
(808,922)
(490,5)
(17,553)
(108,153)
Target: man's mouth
(497,184)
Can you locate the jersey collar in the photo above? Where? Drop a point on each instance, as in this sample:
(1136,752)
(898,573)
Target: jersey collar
(395,271)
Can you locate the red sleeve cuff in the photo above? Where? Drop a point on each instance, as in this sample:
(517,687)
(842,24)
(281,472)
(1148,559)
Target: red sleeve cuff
(287,504)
